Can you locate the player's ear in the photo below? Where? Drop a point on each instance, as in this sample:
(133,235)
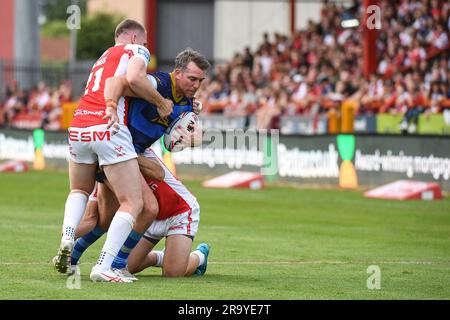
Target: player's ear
(177,72)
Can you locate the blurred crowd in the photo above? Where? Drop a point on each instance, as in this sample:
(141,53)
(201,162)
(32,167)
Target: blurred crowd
(310,72)
(41,107)
(314,70)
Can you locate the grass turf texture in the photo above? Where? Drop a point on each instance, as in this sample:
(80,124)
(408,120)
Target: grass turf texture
(277,243)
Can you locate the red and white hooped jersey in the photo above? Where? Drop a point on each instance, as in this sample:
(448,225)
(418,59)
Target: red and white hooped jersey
(173,197)
(113,62)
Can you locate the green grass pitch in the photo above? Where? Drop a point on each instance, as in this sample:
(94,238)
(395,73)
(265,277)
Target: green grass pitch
(276,243)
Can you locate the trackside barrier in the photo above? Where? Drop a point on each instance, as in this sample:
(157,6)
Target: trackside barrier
(377,159)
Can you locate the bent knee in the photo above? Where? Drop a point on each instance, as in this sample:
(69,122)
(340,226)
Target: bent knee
(133,205)
(138,204)
(151,208)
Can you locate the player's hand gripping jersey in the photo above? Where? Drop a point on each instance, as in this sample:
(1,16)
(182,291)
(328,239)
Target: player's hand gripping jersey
(142,118)
(113,62)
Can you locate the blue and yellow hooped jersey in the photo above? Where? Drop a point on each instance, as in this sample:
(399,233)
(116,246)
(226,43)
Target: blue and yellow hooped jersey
(143,120)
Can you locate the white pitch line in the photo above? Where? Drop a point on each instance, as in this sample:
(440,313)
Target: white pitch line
(261,262)
(306,262)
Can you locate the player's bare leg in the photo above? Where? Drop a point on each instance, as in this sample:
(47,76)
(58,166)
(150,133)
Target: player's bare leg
(150,210)
(122,177)
(178,262)
(143,222)
(89,220)
(140,258)
(176,256)
(81,185)
(108,205)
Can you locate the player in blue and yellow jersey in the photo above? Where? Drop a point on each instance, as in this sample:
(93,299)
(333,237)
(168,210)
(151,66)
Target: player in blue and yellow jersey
(144,122)
(146,127)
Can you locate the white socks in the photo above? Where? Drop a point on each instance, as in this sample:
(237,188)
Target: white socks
(73,212)
(120,228)
(159,258)
(200,256)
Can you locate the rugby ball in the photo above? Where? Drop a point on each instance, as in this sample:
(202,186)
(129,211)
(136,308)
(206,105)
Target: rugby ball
(172,137)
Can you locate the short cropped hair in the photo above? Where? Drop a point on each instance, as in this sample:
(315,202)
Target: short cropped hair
(190,55)
(128,24)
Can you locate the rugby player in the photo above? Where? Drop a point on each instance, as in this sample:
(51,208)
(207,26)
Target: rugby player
(146,127)
(98,136)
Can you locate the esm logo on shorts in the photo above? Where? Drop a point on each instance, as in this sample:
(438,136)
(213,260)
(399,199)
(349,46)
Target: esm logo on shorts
(89,136)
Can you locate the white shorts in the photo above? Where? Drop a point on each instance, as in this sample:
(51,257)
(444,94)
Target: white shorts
(185,223)
(97,144)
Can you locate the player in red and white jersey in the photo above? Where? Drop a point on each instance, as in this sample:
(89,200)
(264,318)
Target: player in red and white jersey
(173,197)
(92,142)
(113,62)
(177,220)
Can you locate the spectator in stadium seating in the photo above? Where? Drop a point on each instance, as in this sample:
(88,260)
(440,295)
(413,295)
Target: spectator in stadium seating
(438,38)
(372,99)
(248,58)
(415,105)
(39,98)
(236,106)
(445,87)
(389,97)
(267,110)
(403,99)
(15,105)
(436,96)
(218,97)
(265,60)
(44,105)
(260,79)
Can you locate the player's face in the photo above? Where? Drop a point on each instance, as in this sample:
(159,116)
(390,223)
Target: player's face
(190,79)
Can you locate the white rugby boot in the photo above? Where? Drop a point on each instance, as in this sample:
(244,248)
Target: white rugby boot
(109,275)
(126,274)
(62,259)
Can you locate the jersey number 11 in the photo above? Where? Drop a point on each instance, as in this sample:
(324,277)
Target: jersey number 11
(97,79)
